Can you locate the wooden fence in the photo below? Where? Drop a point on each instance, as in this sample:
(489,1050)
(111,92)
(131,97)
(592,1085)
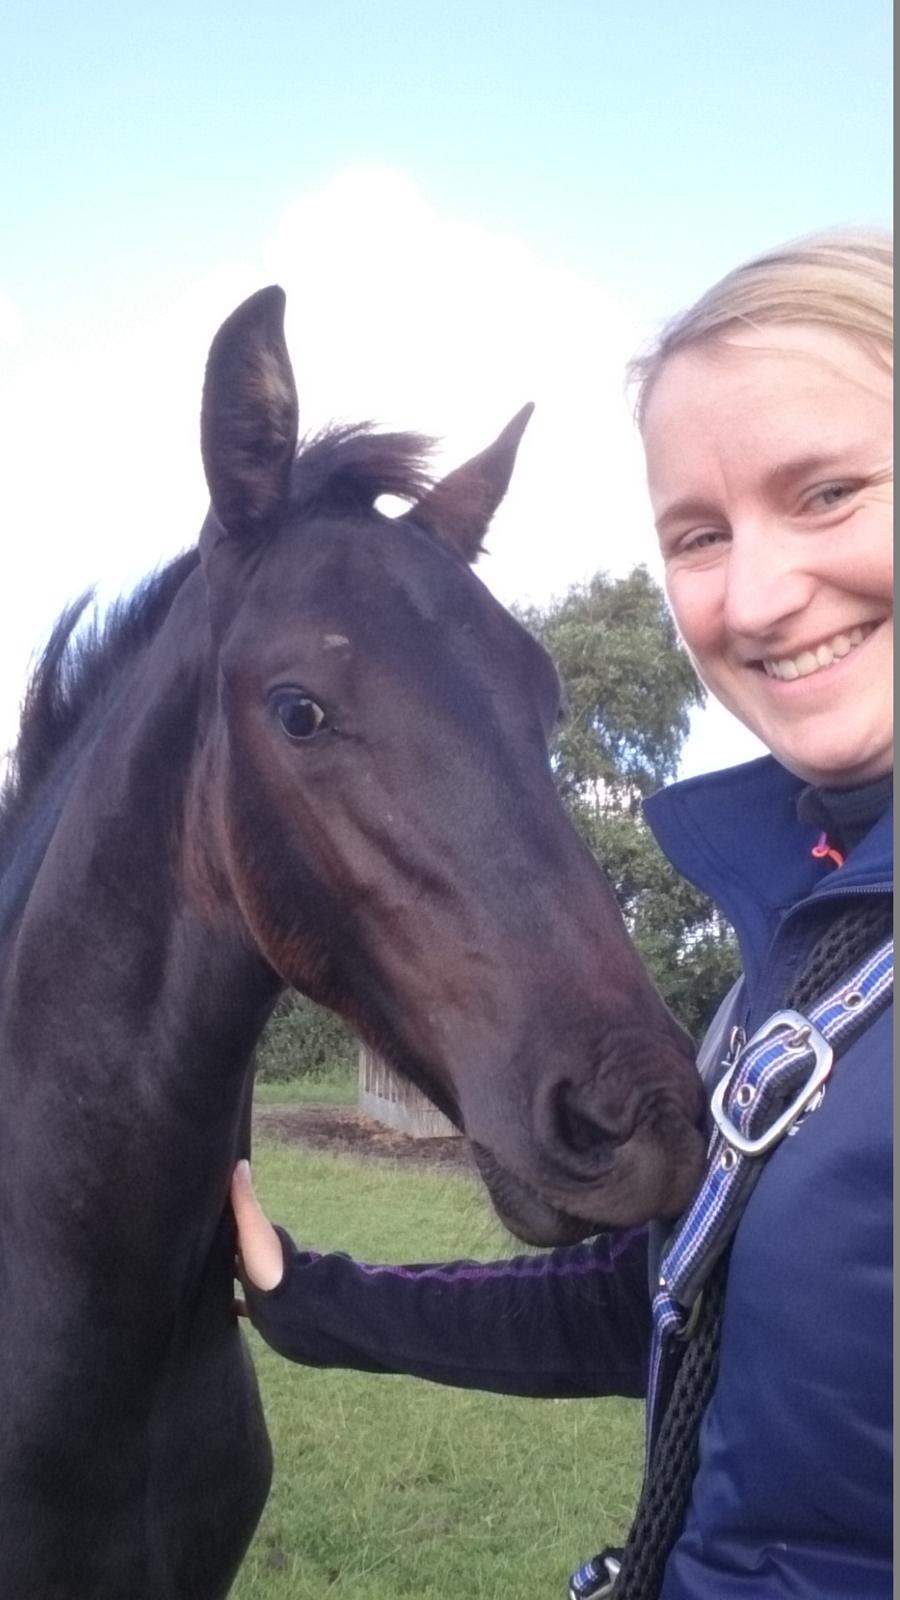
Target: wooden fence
(396,1103)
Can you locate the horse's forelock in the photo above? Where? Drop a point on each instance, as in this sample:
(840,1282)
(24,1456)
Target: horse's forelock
(355,464)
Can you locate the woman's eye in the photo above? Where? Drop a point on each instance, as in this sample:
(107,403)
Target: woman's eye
(299,716)
(701,540)
(830,494)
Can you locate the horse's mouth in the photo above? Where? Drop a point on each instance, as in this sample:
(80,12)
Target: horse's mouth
(541,1214)
(520,1208)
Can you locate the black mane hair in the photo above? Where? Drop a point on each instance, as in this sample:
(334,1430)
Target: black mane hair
(343,469)
(349,466)
(72,673)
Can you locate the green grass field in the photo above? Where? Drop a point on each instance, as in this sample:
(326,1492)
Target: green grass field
(335,1088)
(388,1487)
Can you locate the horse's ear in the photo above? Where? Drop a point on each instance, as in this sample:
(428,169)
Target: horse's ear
(248,423)
(458,510)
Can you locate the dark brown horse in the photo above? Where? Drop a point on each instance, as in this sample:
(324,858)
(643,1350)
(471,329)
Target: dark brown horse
(313,752)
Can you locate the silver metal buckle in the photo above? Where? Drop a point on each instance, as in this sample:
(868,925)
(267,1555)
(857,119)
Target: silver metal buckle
(808,1038)
(613,1567)
(606,1586)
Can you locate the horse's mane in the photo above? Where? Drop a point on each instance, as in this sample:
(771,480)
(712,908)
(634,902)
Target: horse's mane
(348,467)
(73,672)
(343,468)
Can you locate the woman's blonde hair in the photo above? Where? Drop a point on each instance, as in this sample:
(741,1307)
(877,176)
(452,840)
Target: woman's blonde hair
(843,278)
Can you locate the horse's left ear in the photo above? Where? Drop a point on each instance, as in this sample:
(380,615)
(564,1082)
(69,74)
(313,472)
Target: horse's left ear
(458,510)
(248,422)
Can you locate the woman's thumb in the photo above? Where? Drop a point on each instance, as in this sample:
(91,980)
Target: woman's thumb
(258,1243)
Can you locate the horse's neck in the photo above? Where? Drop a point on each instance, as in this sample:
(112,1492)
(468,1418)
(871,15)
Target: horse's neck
(123,996)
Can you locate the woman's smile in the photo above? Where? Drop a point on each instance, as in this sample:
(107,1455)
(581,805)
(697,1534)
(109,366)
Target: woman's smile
(807,661)
(769,467)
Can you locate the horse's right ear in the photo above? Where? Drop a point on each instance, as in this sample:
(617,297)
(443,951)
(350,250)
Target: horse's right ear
(458,510)
(248,423)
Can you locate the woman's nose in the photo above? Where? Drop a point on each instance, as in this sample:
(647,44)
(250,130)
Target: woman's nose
(766,581)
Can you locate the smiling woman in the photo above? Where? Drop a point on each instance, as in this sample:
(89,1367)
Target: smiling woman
(769,457)
(765,414)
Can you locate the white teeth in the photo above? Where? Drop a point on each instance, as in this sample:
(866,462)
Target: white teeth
(806,663)
(809,661)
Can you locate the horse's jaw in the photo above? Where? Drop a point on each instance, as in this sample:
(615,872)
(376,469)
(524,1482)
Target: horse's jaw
(635,1183)
(523,1211)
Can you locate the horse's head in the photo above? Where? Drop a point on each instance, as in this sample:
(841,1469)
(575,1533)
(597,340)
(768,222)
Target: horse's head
(387,820)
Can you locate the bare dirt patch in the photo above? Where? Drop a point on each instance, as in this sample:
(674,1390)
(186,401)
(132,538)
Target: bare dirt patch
(342,1130)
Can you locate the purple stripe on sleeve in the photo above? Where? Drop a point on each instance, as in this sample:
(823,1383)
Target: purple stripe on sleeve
(600,1256)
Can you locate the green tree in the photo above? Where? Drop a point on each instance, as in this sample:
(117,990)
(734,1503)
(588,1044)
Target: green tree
(630,686)
(303,1040)
(630,689)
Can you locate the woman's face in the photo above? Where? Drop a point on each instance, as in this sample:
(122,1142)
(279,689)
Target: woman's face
(770,471)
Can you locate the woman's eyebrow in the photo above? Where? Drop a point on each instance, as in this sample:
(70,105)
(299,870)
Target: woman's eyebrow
(685,510)
(788,471)
(843,459)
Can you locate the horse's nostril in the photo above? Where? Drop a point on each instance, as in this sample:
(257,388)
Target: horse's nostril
(577,1129)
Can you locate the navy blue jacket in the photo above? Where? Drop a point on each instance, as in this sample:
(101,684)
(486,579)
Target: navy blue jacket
(792,1496)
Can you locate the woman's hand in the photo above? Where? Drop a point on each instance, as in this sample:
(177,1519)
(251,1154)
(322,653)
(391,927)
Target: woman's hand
(258,1243)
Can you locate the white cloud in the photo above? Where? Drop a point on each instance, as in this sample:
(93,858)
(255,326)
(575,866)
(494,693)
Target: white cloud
(395,313)
(400,314)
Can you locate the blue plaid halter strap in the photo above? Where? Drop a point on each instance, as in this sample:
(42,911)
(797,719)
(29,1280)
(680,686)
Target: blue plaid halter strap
(774,1079)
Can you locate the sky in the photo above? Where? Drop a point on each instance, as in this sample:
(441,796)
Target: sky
(470,205)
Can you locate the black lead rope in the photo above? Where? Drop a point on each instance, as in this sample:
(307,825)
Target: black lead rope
(664,1499)
(636,1572)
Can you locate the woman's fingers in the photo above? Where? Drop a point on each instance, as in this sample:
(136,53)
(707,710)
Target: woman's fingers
(258,1243)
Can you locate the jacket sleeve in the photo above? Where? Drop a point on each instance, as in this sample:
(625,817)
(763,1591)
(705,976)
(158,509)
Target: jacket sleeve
(565,1323)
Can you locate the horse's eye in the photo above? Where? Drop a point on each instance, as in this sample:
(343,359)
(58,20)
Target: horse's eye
(299,716)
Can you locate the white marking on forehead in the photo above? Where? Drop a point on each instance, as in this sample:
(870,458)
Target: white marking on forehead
(333,641)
